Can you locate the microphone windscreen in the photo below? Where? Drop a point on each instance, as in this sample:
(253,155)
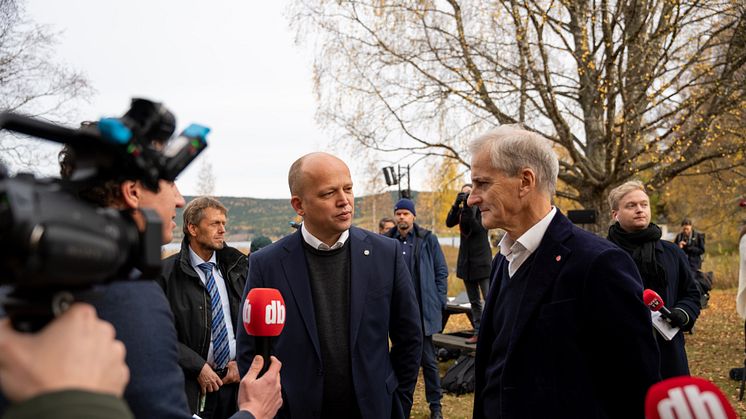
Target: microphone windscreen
(687,397)
(652,300)
(264,312)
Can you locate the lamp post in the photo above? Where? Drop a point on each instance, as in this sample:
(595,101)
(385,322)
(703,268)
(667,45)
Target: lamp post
(393,176)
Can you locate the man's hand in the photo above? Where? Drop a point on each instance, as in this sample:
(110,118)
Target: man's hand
(678,317)
(682,244)
(232,375)
(262,397)
(75,351)
(208,380)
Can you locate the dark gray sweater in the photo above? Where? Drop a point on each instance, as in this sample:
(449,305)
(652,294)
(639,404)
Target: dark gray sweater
(330,286)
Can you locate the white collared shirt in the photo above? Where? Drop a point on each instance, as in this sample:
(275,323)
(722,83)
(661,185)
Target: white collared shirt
(516,252)
(223,291)
(318,244)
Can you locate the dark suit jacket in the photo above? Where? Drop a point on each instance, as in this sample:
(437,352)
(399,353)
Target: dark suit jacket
(382,306)
(143,321)
(582,345)
(682,292)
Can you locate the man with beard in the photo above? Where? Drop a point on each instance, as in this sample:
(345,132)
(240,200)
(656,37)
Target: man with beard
(427,265)
(203,284)
(663,266)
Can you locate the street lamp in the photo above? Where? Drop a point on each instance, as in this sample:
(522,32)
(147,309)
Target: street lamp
(394,177)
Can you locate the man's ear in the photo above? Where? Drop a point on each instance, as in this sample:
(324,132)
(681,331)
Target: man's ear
(192,229)
(528,181)
(131,193)
(297,203)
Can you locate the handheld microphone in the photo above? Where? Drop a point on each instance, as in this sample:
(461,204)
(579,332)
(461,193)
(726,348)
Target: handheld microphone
(264,317)
(687,397)
(655,303)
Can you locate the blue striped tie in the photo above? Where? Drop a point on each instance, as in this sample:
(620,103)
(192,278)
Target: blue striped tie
(220,349)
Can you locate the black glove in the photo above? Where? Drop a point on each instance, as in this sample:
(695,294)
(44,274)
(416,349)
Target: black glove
(461,197)
(678,318)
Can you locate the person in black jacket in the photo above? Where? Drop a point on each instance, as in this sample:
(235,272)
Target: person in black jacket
(203,282)
(692,243)
(662,265)
(474,254)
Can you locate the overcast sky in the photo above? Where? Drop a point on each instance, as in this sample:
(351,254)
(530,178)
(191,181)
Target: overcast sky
(230,65)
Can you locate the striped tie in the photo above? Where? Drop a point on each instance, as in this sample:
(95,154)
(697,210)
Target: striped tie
(220,349)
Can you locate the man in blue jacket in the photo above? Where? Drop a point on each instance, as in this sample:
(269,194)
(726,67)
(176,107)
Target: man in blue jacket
(429,271)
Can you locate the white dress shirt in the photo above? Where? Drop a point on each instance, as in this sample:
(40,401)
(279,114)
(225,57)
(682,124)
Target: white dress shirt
(223,291)
(516,252)
(318,244)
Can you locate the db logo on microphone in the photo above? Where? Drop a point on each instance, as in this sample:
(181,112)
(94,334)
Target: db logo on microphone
(264,312)
(687,398)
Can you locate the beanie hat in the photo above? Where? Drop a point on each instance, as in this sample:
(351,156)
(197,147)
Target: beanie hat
(259,242)
(405,204)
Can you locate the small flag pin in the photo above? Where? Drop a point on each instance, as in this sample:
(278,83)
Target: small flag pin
(558,258)
(366,252)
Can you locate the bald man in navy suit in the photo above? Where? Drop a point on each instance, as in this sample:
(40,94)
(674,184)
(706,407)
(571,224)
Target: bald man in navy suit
(347,291)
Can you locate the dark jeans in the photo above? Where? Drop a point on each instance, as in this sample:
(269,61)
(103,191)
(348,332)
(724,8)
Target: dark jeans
(430,371)
(472,290)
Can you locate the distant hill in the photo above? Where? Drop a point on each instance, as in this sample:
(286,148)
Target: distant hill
(252,217)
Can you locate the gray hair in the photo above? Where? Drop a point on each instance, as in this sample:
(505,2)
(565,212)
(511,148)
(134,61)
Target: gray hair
(618,193)
(512,149)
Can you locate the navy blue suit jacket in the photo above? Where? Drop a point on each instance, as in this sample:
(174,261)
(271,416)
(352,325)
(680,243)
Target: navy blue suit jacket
(383,305)
(582,345)
(143,321)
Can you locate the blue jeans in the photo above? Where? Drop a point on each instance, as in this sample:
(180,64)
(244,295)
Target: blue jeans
(433,392)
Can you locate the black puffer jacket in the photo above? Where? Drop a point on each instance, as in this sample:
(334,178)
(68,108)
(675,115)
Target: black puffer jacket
(190,303)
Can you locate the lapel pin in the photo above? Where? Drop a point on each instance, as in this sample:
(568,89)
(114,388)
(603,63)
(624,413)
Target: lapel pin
(366,252)
(558,258)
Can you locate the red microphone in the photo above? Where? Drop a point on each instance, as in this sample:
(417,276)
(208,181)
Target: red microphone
(687,398)
(655,302)
(264,317)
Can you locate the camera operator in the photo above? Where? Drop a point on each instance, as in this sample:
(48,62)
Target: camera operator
(41,373)
(140,313)
(474,254)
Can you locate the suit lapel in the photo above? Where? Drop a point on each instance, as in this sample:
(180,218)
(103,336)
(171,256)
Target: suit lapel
(548,260)
(361,268)
(296,274)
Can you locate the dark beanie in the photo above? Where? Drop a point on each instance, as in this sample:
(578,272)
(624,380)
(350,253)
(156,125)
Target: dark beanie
(406,204)
(259,242)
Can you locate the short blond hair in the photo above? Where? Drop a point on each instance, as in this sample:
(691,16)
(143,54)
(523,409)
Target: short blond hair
(618,193)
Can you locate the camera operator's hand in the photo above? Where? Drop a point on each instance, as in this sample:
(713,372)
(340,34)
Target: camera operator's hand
(208,380)
(461,197)
(75,351)
(262,397)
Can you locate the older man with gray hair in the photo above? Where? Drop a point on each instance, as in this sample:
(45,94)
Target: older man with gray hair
(565,333)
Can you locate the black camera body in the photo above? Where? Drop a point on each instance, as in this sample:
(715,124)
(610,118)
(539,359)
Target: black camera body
(53,245)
